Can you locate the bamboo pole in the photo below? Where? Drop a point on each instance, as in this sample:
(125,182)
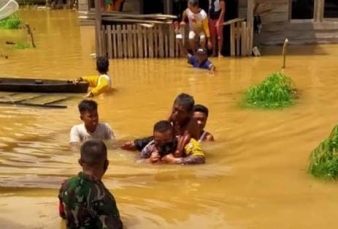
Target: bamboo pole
(30,34)
(98,28)
(284,52)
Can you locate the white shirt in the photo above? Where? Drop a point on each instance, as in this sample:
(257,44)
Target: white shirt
(196,20)
(106,77)
(79,133)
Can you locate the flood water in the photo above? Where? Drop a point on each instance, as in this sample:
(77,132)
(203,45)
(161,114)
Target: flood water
(255,176)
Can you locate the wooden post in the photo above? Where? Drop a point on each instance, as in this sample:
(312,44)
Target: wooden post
(168,6)
(30,34)
(250,24)
(98,22)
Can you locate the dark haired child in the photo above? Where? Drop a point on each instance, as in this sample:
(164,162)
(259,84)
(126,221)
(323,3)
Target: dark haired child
(91,127)
(100,83)
(164,146)
(201,114)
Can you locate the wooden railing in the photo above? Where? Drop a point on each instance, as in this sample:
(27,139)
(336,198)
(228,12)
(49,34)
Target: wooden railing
(240,37)
(137,41)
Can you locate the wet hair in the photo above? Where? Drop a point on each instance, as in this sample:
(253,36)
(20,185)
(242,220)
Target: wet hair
(193,3)
(201,108)
(93,152)
(186,101)
(102,64)
(163,126)
(87,105)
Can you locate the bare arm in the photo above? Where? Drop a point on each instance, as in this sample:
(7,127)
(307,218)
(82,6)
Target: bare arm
(191,132)
(221,16)
(209,138)
(184,16)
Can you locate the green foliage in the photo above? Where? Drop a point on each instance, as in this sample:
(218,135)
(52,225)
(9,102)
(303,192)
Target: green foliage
(274,92)
(22,46)
(324,158)
(11,22)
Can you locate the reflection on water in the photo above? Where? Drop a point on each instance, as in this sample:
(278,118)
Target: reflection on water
(255,176)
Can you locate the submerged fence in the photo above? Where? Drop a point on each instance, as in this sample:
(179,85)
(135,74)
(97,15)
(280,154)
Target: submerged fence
(137,41)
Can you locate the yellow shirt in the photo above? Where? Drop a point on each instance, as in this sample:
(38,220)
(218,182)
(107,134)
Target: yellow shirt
(193,148)
(198,22)
(99,84)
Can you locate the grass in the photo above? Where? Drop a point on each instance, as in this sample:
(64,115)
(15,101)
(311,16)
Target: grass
(11,22)
(22,46)
(324,158)
(274,92)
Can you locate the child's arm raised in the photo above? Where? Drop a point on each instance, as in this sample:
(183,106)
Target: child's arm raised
(192,131)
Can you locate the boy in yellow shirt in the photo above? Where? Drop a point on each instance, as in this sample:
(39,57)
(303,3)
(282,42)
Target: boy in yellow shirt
(198,24)
(100,83)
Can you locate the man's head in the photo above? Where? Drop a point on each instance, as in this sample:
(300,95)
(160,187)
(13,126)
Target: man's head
(164,138)
(201,55)
(183,108)
(193,6)
(201,115)
(102,64)
(94,157)
(88,113)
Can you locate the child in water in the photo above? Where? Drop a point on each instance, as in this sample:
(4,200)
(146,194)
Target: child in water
(91,127)
(100,83)
(165,144)
(199,60)
(198,24)
(201,114)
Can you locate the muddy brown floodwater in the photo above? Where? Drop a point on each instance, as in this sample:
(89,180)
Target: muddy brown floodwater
(255,176)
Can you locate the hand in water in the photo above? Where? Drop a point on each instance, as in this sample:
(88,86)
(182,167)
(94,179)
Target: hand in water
(128,145)
(209,44)
(154,157)
(89,95)
(170,159)
(77,80)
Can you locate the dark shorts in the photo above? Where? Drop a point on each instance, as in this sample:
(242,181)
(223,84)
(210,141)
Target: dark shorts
(142,142)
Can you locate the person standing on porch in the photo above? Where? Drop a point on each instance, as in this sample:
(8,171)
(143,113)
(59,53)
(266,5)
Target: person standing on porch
(216,18)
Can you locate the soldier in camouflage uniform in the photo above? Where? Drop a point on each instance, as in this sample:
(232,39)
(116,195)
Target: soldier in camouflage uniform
(85,202)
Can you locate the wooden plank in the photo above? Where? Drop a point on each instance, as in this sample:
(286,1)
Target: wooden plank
(129,41)
(232,40)
(250,23)
(248,41)
(140,42)
(57,101)
(124,41)
(244,39)
(238,39)
(110,41)
(151,42)
(135,43)
(161,40)
(145,42)
(166,41)
(103,38)
(301,26)
(124,15)
(171,34)
(156,41)
(119,41)
(115,47)
(233,21)
(98,28)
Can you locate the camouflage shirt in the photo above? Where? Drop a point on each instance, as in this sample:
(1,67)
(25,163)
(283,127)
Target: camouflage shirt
(86,203)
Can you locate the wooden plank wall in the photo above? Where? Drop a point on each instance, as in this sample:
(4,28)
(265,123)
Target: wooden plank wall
(135,41)
(277,26)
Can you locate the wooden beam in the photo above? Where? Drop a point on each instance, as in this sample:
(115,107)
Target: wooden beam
(98,23)
(168,6)
(250,25)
